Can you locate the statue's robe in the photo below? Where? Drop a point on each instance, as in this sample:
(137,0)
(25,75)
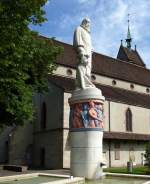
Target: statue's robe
(83,45)
(82,38)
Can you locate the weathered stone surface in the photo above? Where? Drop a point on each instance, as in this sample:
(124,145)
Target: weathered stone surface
(86,154)
(85,95)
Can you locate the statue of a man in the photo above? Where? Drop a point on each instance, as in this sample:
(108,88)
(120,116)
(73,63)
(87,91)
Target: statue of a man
(83,46)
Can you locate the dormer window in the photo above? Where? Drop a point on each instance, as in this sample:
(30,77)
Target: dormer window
(147,90)
(69,72)
(132,86)
(114,82)
(93,77)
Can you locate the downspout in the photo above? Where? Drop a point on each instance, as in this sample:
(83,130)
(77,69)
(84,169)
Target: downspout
(109,125)
(109,129)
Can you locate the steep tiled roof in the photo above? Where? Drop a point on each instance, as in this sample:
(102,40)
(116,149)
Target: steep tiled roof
(108,66)
(126,136)
(110,93)
(130,55)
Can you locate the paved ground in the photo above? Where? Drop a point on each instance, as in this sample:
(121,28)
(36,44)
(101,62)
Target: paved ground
(11,173)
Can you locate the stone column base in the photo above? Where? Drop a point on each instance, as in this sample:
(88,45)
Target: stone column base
(86,129)
(86,153)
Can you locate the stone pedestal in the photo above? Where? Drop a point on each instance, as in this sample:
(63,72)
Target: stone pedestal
(86,129)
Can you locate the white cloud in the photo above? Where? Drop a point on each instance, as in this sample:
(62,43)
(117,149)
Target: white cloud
(109,26)
(109,23)
(68,20)
(87,2)
(118,15)
(83,1)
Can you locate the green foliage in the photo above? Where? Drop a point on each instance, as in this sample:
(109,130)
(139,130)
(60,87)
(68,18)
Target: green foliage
(136,170)
(25,59)
(147,155)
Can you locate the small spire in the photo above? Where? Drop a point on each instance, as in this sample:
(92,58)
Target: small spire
(129,39)
(121,42)
(135,47)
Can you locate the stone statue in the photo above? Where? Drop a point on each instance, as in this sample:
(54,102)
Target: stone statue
(83,47)
(86,112)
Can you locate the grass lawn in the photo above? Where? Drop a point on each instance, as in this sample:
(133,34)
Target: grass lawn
(136,170)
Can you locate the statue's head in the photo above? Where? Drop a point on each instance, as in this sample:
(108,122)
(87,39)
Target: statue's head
(86,24)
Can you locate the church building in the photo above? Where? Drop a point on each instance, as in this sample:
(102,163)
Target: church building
(125,83)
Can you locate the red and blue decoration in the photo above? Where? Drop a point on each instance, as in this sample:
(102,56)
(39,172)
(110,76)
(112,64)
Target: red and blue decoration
(87,115)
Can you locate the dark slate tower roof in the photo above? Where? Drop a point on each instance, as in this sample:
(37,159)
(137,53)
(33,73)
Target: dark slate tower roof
(130,56)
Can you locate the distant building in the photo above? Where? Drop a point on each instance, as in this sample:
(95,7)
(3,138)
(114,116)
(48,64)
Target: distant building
(125,83)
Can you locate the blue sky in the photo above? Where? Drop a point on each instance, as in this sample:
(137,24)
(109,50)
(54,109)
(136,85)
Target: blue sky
(108,23)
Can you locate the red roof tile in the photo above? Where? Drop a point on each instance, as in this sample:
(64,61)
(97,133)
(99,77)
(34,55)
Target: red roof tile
(107,66)
(130,55)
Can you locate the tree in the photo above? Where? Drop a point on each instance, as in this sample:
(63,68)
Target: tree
(147,155)
(25,59)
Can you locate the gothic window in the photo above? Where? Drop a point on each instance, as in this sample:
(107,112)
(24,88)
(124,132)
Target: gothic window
(129,120)
(42,157)
(43,116)
(6,152)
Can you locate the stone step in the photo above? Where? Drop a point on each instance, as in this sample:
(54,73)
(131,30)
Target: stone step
(17,168)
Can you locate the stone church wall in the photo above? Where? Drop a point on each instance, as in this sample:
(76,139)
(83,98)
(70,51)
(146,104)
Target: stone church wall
(49,139)
(20,141)
(140,118)
(127,150)
(4,143)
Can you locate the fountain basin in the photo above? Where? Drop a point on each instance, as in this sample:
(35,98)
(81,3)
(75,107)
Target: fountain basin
(117,178)
(41,178)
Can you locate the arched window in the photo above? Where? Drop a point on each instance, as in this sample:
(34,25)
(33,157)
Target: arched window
(43,116)
(42,157)
(129,120)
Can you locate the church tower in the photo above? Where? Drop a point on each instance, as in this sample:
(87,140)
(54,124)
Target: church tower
(126,53)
